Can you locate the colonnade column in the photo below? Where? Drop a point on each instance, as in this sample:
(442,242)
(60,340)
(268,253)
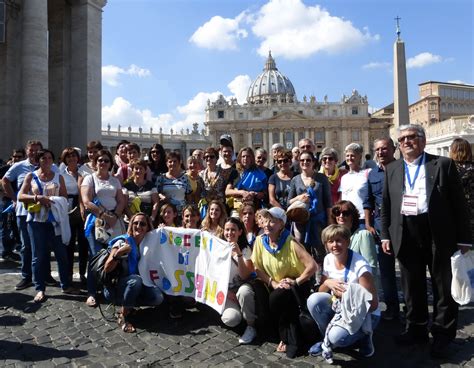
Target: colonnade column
(34,83)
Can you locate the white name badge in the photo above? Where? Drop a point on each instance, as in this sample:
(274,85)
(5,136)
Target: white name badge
(409,205)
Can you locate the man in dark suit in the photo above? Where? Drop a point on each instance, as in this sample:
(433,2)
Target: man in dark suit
(424,220)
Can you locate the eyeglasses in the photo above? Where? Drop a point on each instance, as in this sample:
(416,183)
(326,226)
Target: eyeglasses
(337,212)
(209,157)
(328,158)
(306,160)
(103,161)
(139,223)
(284,161)
(410,137)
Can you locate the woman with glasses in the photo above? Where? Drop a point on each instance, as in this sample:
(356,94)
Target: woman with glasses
(313,189)
(329,159)
(130,291)
(249,184)
(141,194)
(102,196)
(214,183)
(362,241)
(157,161)
(43,190)
(354,184)
(279,183)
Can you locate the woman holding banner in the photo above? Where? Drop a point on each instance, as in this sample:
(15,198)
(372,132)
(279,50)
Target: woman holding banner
(240,301)
(285,267)
(130,291)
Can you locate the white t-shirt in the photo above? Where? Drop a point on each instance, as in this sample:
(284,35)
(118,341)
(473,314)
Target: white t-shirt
(357,268)
(354,187)
(234,278)
(105,190)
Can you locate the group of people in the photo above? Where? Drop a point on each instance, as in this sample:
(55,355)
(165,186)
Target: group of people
(307,233)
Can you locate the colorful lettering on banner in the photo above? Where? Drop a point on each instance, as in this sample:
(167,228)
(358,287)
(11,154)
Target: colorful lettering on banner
(187,262)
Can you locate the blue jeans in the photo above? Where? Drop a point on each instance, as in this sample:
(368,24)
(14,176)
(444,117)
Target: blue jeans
(6,235)
(25,252)
(319,306)
(94,248)
(41,234)
(130,292)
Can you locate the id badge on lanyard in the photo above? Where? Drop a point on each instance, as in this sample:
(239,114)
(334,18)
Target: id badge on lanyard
(409,205)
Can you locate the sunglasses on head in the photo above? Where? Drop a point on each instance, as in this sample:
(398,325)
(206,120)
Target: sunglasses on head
(139,223)
(283,161)
(337,212)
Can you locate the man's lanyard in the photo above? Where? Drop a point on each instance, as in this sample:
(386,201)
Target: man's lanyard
(407,172)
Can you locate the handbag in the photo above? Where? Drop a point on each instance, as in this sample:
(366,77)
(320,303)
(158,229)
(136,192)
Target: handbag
(309,328)
(97,265)
(102,234)
(462,284)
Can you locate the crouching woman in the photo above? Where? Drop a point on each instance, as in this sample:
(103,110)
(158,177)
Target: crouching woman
(130,290)
(346,306)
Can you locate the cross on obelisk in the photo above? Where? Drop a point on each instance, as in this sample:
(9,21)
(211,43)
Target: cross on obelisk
(398,26)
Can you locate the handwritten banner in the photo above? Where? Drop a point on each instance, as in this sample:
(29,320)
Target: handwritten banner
(187,262)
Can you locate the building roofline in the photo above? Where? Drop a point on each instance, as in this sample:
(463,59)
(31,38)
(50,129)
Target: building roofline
(447,83)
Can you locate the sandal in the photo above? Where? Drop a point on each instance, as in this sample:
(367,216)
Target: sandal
(40,297)
(281,348)
(124,324)
(91,302)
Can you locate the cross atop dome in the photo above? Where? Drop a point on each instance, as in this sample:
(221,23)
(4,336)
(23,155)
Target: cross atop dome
(270,63)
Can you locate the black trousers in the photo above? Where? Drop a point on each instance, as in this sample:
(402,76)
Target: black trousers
(416,253)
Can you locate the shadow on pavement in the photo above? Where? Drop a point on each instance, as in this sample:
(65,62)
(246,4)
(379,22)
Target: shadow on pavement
(19,301)
(11,321)
(30,352)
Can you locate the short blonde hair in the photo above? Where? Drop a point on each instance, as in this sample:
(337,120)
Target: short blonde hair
(334,231)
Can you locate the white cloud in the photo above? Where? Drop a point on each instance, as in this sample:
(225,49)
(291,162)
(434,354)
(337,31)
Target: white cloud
(239,87)
(457,81)
(293,30)
(377,65)
(423,59)
(111,73)
(219,33)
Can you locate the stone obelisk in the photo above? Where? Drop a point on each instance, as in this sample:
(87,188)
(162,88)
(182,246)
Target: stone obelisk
(400,91)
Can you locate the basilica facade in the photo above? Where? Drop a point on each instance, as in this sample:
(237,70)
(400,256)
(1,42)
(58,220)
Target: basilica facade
(273,114)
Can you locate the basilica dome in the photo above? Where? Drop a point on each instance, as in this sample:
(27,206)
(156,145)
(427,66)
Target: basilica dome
(271,86)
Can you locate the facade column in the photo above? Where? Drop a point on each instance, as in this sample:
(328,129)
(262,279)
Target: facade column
(34,65)
(344,139)
(86,66)
(327,138)
(265,140)
(365,141)
(249,138)
(282,136)
(306,133)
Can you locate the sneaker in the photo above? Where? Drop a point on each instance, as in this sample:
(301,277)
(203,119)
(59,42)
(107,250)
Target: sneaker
(23,284)
(366,348)
(249,335)
(50,281)
(327,353)
(316,349)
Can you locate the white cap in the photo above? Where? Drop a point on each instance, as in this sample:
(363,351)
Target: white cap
(277,213)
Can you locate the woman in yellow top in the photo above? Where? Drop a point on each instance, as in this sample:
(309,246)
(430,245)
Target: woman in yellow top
(282,264)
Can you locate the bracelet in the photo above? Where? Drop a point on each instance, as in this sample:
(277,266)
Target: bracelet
(269,282)
(239,255)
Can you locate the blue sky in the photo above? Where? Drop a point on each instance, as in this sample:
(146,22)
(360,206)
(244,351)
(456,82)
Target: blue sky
(162,59)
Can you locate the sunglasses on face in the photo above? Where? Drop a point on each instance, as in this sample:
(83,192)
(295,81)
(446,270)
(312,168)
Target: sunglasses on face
(209,157)
(103,160)
(284,161)
(139,223)
(410,137)
(337,212)
(327,158)
(306,160)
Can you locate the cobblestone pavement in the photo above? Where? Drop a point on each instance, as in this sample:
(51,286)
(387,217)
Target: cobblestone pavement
(63,331)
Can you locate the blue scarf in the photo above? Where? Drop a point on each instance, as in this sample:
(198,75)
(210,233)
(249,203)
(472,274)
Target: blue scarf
(132,256)
(253,181)
(90,220)
(281,241)
(315,217)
